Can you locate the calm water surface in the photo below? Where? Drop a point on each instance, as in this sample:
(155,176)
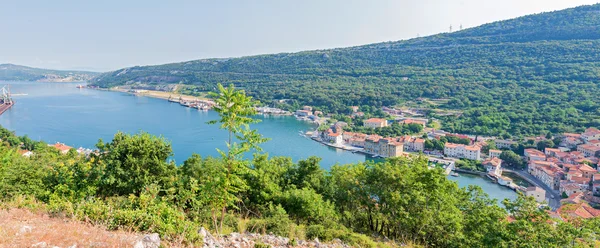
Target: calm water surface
(59,112)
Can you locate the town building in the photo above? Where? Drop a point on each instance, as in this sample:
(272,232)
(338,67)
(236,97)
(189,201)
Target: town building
(537,193)
(354,139)
(493,166)
(354,109)
(504,144)
(25,153)
(569,188)
(494,153)
(304,113)
(550,175)
(64,149)
(582,210)
(534,154)
(333,136)
(375,123)
(590,134)
(462,151)
(412,144)
(307,108)
(414,121)
(385,147)
(589,150)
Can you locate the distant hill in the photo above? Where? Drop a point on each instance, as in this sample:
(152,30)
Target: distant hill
(10,72)
(523,76)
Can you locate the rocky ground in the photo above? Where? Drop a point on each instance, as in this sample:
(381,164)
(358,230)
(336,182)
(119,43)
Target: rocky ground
(239,240)
(23,228)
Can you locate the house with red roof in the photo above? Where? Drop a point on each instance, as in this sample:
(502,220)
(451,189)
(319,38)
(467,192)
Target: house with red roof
(25,153)
(589,150)
(591,133)
(64,149)
(375,123)
(462,151)
(574,211)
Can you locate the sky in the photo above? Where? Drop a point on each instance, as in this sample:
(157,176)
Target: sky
(111,34)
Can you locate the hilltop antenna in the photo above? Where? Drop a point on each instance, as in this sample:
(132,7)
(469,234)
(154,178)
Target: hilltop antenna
(450,28)
(460,27)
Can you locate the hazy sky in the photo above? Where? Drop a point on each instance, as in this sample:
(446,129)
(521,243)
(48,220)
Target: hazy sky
(109,34)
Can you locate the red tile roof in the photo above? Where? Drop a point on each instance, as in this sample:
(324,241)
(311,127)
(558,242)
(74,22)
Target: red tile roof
(375,120)
(62,147)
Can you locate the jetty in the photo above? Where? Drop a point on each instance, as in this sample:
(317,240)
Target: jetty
(6,101)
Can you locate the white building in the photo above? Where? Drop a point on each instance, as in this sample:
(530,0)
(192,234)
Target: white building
(493,165)
(590,134)
(462,151)
(537,193)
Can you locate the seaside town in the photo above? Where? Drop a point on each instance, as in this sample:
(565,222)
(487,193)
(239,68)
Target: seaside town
(563,176)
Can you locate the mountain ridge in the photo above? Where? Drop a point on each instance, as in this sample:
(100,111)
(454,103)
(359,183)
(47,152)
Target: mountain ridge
(13,72)
(535,56)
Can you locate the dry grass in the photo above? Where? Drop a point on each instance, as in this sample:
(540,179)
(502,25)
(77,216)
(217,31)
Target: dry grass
(56,231)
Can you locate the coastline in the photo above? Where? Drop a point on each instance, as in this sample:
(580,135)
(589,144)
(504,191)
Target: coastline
(158,94)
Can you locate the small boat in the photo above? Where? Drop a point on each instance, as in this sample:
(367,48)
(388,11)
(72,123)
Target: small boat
(454,174)
(79,86)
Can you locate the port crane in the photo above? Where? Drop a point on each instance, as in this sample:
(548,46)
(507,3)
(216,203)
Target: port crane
(5,96)
(6,100)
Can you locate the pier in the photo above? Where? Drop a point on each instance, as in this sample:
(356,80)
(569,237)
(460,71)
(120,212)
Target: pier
(6,101)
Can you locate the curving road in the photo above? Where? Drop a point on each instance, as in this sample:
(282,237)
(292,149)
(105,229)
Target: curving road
(554,203)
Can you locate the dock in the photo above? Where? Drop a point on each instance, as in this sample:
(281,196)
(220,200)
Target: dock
(6,101)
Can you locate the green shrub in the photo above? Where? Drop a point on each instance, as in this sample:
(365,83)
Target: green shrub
(261,245)
(275,221)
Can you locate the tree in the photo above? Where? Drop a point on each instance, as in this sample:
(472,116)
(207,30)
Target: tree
(543,144)
(511,159)
(131,162)
(235,110)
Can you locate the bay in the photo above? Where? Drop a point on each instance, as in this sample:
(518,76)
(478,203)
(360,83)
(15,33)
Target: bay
(60,112)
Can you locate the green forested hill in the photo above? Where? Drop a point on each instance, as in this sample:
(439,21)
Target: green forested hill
(10,72)
(523,76)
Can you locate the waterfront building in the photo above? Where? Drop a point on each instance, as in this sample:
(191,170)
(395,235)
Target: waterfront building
(385,147)
(354,139)
(375,123)
(537,193)
(504,181)
(462,151)
(333,136)
(493,166)
(412,144)
(304,113)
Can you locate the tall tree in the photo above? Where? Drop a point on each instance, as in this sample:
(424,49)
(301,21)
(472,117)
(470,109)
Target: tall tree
(235,110)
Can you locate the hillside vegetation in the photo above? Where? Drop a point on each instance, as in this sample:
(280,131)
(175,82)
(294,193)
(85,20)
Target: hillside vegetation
(524,76)
(10,72)
(129,184)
